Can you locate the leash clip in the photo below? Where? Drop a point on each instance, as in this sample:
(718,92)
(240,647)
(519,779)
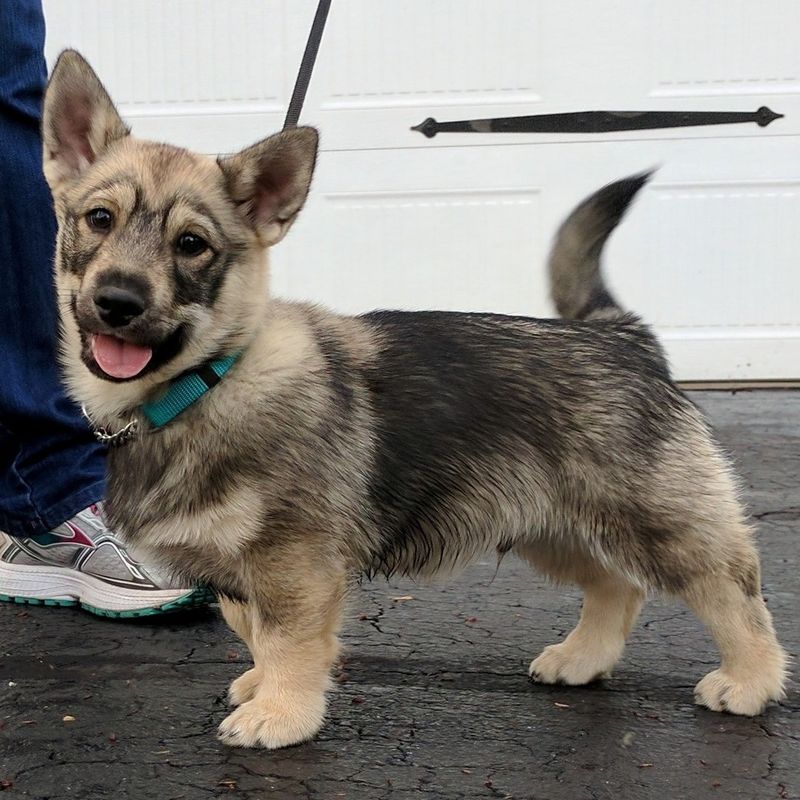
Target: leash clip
(112,438)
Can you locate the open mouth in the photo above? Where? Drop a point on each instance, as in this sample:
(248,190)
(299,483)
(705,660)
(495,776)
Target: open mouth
(116,359)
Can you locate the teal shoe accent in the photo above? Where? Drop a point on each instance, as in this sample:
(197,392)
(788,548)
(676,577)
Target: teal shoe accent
(35,601)
(197,598)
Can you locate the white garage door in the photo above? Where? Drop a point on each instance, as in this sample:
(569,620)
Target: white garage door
(463,221)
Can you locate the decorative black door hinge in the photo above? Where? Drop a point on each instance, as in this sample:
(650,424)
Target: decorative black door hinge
(597,121)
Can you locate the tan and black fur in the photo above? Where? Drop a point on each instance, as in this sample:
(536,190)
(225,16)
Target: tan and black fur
(393,442)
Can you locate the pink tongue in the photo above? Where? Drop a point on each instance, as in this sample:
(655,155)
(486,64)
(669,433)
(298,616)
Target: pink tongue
(117,358)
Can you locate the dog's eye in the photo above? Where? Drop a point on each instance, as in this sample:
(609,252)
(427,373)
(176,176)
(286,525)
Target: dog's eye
(100,219)
(190,244)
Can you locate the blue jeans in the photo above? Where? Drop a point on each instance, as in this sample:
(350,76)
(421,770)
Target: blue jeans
(50,465)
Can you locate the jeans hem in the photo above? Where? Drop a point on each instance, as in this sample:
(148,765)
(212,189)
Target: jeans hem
(47,519)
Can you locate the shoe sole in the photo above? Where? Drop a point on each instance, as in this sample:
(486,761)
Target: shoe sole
(61,587)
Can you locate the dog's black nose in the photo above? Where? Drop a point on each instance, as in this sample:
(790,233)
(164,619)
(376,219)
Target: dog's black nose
(117,306)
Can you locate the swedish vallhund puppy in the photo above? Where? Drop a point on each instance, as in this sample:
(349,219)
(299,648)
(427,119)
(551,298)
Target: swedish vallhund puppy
(275,450)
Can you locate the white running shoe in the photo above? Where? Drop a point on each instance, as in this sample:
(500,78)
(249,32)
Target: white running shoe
(82,563)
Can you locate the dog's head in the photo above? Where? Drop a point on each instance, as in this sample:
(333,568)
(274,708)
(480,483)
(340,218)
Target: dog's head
(160,260)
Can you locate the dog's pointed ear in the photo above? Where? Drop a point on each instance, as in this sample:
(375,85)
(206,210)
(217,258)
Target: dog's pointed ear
(269,181)
(79,121)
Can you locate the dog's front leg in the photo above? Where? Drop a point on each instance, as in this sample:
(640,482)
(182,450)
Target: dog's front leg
(238,615)
(292,632)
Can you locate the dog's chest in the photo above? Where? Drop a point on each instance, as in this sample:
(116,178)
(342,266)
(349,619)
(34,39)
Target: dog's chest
(177,496)
(223,529)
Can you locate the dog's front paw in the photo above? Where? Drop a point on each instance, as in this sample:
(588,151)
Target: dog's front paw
(244,687)
(271,723)
(562,663)
(720,691)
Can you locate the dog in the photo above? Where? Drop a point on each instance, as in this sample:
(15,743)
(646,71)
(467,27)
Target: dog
(275,450)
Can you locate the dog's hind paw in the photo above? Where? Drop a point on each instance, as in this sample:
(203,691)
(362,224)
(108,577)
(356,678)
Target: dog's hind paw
(272,724)
(720,691)
(244,687)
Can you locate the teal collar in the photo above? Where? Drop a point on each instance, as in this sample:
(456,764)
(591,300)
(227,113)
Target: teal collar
(187,390)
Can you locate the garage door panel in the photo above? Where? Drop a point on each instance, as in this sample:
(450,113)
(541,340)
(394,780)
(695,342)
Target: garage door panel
(463,221)
(730,247)
(420,250)
(385,66)
(167,58)
(724,47)
(707,254)
(563,56)
(379,53)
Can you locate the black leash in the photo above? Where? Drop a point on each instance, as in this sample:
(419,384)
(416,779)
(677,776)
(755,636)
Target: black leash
(307,65)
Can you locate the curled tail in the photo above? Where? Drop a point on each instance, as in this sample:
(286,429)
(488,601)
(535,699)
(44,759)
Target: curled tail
(576,280)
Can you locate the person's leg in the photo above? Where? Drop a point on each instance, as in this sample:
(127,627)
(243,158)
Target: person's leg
(50,466)
(54,546)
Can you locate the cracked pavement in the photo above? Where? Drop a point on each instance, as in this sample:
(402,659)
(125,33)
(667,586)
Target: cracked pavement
(431,699)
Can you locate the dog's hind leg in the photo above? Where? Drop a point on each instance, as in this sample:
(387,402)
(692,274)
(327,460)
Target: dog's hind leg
(238,617)
(610,607)
(702,551)
(753,669)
